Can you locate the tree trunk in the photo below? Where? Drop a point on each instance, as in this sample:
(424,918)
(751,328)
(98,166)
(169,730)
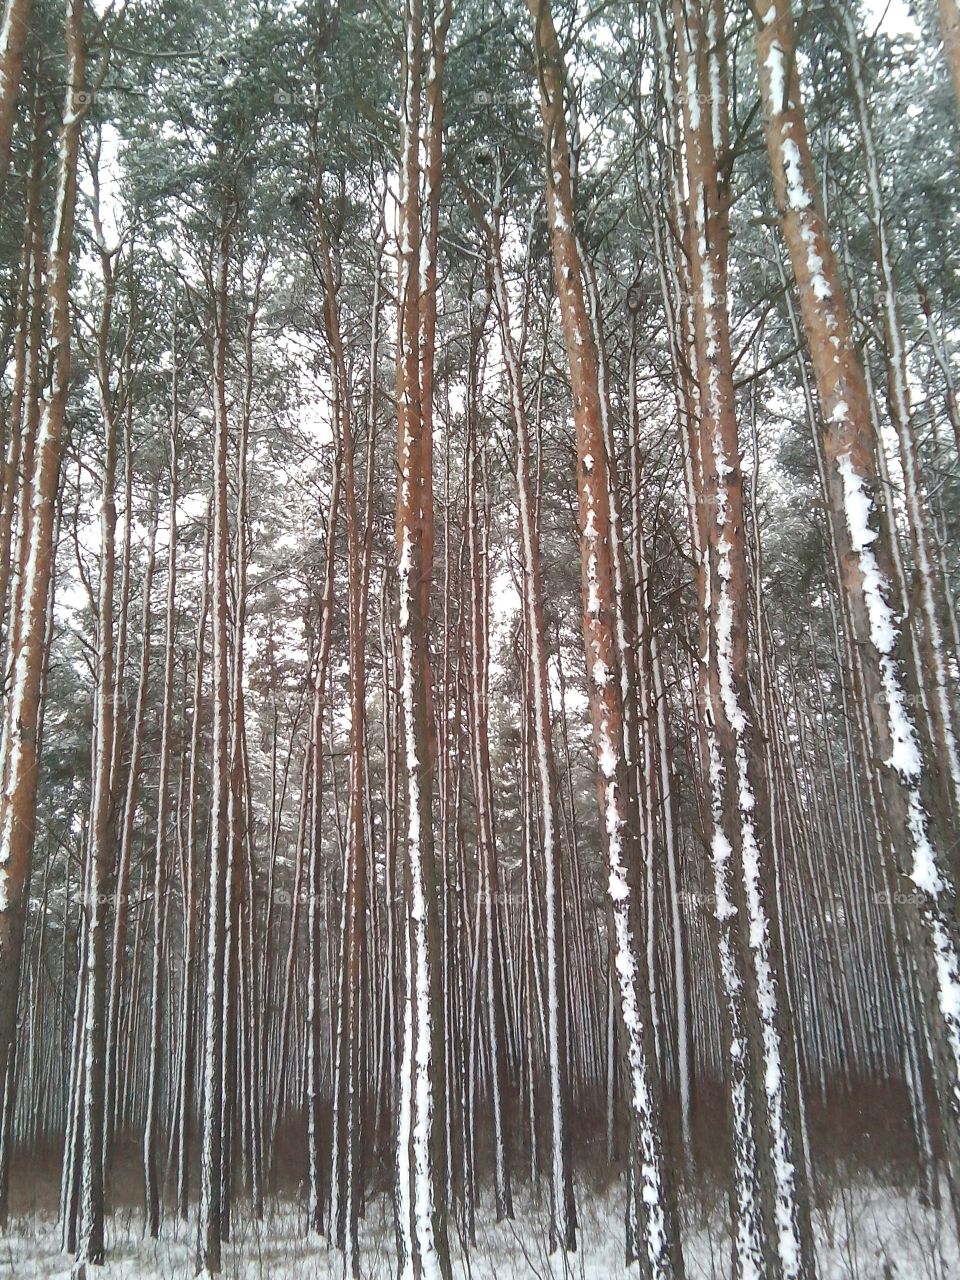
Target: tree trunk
(652,1209)
(563,1219)
(949,13)
(19,751)
(758,1032)
(421,1215)
(210,1224)
(13,38)
(151,1136)
(849,448)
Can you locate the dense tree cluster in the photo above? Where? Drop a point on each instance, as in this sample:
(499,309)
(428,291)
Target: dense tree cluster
(478,577)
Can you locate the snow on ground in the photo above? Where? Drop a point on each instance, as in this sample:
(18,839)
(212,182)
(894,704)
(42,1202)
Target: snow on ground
(869,1233)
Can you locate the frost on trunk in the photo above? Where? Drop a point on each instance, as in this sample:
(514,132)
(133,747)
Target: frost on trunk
(349,1084)
(563,1222)
(489,936)
(151,1134)
(849,448)
(420,1209)
(13,38)
(18,751)
(209,1222)
(771,1201)
(652,1226)
(933,674)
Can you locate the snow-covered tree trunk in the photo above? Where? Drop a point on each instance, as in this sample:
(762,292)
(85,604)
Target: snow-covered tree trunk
(421,1214)
(151,1133)
(209,1221)
(933,673)
(488,940)
(563,1222)
(19,749)
(758,1040)
(652,1206)
(14,28)
(849,449)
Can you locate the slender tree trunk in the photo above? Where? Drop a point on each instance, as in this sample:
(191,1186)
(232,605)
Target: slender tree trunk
(18,753)
(131,800)
(187,1021)
(563,1220)
(100,849)
(421,1213)
(758,1033)
(210,1223)
(478,689)
(349,1109)
(151,1135)
(652,1213)
(315,921)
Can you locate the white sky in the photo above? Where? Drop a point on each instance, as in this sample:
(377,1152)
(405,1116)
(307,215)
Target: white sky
(894,14)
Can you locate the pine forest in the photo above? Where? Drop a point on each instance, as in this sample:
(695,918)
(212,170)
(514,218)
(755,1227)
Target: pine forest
(479,642)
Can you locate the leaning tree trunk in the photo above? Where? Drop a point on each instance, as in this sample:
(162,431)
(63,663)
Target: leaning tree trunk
(921,849)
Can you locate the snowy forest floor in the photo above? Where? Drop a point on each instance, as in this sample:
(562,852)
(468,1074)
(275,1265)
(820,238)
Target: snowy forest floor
(867,1231)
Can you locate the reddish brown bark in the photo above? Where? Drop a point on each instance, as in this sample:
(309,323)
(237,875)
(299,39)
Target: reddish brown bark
(18,767)
(13,39)
(653,1230)
(924,853)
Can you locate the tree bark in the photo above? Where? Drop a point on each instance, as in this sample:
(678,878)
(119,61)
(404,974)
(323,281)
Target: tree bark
(652,1217)
(421,1214)
(209,1225)
(19,750)
(922,851)
(14,30)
